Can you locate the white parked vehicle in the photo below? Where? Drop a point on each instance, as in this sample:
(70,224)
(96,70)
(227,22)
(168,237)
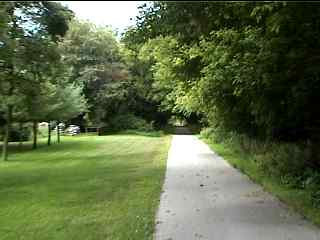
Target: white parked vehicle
(72,130)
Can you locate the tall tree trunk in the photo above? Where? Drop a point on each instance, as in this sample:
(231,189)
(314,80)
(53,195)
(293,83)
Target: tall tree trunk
(20,134)
(7,134)
(49,133)
(58,133)
(35,134)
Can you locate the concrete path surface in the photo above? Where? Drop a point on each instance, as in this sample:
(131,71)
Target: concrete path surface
(204,198)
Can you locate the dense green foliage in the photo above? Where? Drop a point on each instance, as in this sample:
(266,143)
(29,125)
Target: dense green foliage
(106,71)
(56,68)
(87,187)
(33,84)
(93,54)
(246,66)
(251,68)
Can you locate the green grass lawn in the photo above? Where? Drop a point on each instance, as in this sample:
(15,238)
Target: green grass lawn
(297,199)
(87,187)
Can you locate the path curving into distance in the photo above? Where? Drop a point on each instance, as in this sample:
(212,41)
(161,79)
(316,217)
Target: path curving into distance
(205,198)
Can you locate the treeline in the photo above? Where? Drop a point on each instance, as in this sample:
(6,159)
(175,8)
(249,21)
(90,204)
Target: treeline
(55,68)
(105,69)
(247,70)
(245,66)
(34,82)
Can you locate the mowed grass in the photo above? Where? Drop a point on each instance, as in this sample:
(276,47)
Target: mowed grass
(298,200)
(87,187)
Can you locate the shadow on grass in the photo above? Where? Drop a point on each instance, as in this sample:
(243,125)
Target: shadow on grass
(159,133)
(90,180)
(14,148)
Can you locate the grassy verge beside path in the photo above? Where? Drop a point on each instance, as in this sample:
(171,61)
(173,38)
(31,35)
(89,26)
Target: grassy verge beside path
(297,199)
(87,187)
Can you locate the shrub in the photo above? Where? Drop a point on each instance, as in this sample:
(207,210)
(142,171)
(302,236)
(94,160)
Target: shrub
(216,135)
(126,122)
(285,161)
(17,134)
(315,198)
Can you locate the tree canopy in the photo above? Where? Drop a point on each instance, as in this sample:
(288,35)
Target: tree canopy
(246,67)
(29,57)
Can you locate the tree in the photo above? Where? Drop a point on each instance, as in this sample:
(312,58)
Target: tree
(248,67)
(71,103)
(94,55)
(27,26)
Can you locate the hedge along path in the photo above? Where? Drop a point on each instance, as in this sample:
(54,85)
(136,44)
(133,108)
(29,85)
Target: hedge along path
(205,198)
